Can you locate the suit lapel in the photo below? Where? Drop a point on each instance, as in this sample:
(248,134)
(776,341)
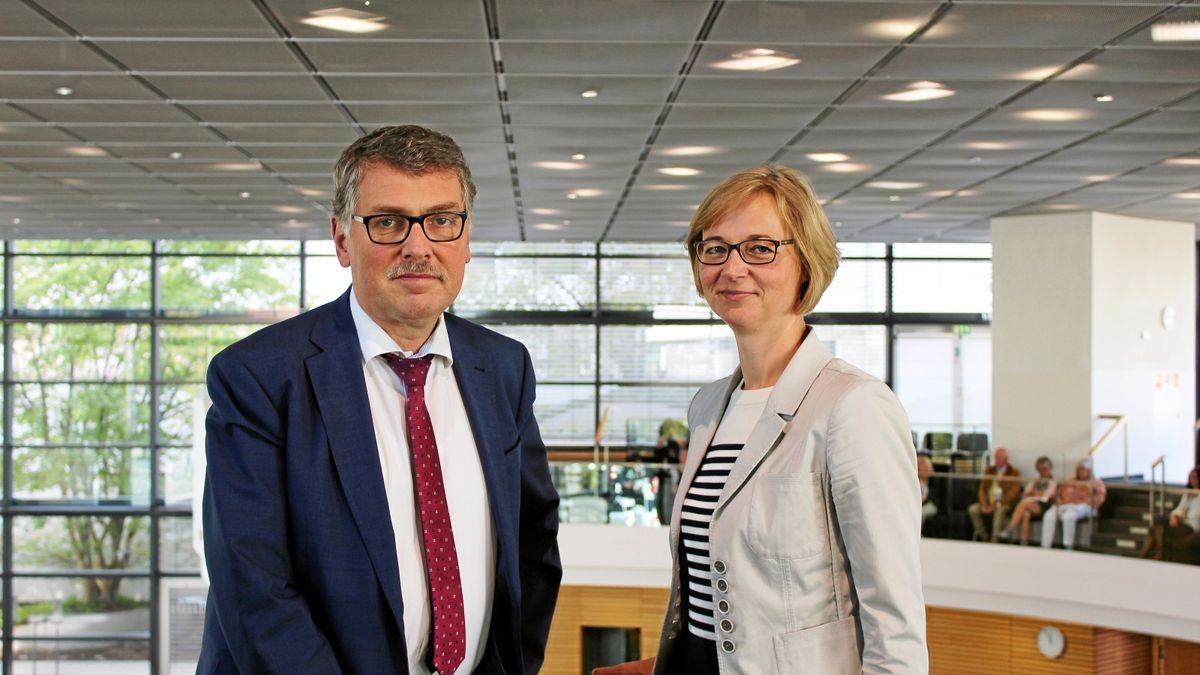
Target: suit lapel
(338,386)
(776,419)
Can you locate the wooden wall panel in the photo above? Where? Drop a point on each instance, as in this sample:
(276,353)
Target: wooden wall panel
(1180,658)
(601,607)
(967,642)
(1078,657)
(1122,653)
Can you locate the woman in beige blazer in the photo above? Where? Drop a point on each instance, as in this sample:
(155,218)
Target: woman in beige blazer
(796,537)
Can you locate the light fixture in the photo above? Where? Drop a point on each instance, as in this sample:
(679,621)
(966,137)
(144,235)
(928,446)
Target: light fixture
(1186,195)
(690,151)
(759,60)
(572,195)
(64,91)
(542,211)
(244,195)
(589,93)
(679,171)
(893,28)
(289,209)
(893,198)
(16,221)
(548,226)
(895,185)
(345,20)
(13,199)
(1098,179)
(666,187)
(975,159)
(312,192)
(939,193)
(85,151)
(292,222)
(1183,161)
(1175,31)
(990,145)
(236,166)
(827,156)
(1053,114)
(578,157)
(556,165)
(967,193)
(586,192)
(176,155)
(920,91)
(1036,74)
(844,167)
(1103,98)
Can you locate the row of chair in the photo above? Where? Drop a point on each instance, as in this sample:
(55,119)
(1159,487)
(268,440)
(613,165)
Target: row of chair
(942,441)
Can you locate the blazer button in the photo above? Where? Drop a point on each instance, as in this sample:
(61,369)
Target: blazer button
(727,625)
(722,585)
(719,567)
(728,647)
(723,606)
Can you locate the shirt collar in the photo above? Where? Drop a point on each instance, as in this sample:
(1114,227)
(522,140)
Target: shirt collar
(374,340)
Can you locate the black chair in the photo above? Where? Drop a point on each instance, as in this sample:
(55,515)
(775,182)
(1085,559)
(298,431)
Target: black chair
(973,442)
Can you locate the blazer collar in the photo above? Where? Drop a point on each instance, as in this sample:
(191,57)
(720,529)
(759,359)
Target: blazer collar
(789,392)
(336,374)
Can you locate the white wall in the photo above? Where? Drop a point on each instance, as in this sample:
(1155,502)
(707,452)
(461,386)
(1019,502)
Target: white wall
(1140,368)
(1041,327)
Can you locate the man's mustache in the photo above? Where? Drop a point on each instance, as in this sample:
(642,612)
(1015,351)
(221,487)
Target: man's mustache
(415,267)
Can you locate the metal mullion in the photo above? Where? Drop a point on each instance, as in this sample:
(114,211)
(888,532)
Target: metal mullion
(9,609)
(597,326)
(156,304)
(889,318)
(93,637)
(69,510)
(81,574)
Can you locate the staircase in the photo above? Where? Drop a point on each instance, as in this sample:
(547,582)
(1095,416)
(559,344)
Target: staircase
(1124,521)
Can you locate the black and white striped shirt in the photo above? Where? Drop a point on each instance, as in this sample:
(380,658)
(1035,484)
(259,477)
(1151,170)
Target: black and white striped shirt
(743,411)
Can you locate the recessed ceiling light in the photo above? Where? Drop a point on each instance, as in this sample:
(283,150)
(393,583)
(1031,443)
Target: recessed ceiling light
(176,155)
(895,185)
(566,221)
(1183,161)
(289,209)
(244,195)
(967,193)
(584,192)
(827,156)
(664,187)
(578,157)
(1063,207)
(1104,98)
(572,195)
(292,222)
(893,28)
(893,198)
(85,151)
(1175,31)
(990,145)
(542,211)
(974,159)
(1186,195)
(345,20)
(939,193)
(920,91)
(548,226)
(759,60)
(690,150)
(1053,114)
(236,166)
(559,165)
(64,91)
(844,167)
(679,171)
(16,221)
(1098,179)
(589,93)
(13,199)
(1040,73)
(313,192)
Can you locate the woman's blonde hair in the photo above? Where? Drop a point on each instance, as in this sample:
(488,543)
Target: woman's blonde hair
(799,211)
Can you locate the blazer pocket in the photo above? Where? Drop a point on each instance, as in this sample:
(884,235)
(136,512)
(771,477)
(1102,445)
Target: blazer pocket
(787,516)
(828,649)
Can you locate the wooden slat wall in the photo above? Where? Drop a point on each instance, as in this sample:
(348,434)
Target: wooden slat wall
(601,607)
(978,643)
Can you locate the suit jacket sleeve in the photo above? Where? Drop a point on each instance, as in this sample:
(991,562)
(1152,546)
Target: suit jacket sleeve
(266,622)
(540,567)
(877,502)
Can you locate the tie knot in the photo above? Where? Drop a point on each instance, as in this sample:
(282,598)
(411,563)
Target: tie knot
(412,372)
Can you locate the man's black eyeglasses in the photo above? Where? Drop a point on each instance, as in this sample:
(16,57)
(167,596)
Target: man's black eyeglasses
(394,228)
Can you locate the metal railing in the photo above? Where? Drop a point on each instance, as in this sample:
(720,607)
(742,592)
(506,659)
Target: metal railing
(1118,422)
(1158,496)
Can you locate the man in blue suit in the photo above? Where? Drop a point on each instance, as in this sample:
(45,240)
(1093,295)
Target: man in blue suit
(378,498)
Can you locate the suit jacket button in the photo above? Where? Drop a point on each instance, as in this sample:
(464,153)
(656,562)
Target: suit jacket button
(722,585)
(727,625)
(728,647)
(723,606)
(719,567)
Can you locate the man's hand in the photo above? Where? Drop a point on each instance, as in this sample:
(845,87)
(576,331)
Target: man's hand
(643,667)
(987,508)
(1174,520)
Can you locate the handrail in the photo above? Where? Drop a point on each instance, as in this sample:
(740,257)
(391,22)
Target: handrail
(1118,421)
(1162,498)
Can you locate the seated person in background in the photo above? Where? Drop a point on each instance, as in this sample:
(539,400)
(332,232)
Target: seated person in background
(1180,526)
(1037,497)
(998,493)
(672,441)
(1078,499)
(924,471)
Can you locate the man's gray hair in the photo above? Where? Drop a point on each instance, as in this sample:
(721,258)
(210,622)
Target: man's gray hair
(409,148)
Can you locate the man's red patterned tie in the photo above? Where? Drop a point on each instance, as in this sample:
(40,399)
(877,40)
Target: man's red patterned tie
(441,558)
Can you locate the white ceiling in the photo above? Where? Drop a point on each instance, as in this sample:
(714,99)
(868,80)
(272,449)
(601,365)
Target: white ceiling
(260,103)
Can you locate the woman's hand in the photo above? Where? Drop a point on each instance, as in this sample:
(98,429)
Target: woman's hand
(643,667)
(1174,520)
